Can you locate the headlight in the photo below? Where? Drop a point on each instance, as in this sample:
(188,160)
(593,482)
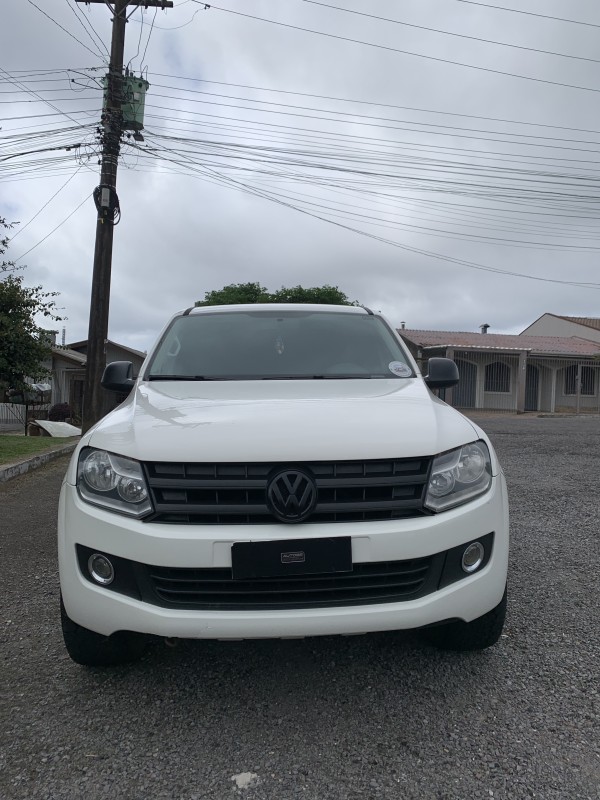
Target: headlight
(112,481)
(459,476)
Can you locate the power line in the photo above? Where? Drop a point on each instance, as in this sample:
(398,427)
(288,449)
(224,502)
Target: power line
(352,100)
(46,91)
(174,27)
(87,112)
(87,31)
(318,135)
(25,73)
(382,224)
(31,3)
(451,33)
(60,224)
(148,39)
(533,190)
(378,124)
(373,103)
(41,150)
(404,52)
(358,163)
(442,233)
(430,254)
(414,160)
(446,215)
(42,100)
(530,13)
(353,137)
(47,203)
(139,44)
(15,82)
(354,115)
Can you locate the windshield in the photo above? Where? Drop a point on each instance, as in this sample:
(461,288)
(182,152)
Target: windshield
(278,345)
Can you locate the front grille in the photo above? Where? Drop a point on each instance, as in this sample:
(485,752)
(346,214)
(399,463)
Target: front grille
(347,491)
(215,589)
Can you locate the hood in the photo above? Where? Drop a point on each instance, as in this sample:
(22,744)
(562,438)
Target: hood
(281,421)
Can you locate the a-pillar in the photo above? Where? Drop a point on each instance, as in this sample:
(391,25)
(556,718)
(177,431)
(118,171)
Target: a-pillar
(448,394)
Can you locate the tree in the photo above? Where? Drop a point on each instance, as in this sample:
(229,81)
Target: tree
(234,294)
(330,295)
(255,293)
(24,345)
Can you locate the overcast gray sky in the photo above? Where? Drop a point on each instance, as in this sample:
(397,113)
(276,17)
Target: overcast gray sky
(290,157)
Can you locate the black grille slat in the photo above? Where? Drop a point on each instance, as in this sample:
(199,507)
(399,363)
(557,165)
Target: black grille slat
(224,575)
(215,589)
(197,483)
(236,494)
(381,480)
(238,591)
(211,508)
(374,505)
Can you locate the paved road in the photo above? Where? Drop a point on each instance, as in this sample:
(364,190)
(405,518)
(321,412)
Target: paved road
(379,716)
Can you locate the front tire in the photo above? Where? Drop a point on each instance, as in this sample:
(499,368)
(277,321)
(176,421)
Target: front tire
(91,649)
(461,636)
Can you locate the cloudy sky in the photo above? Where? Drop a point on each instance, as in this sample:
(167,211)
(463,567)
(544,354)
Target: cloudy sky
(438,160)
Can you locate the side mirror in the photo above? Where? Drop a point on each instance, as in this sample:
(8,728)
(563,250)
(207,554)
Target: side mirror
(118,377)
(442,373)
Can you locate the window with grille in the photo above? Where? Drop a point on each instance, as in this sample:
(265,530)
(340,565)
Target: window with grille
(587,380)
(497,377)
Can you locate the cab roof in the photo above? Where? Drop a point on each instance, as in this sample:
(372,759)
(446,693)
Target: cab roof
(278,307)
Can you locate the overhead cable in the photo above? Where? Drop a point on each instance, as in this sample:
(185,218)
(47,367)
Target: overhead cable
(387,48)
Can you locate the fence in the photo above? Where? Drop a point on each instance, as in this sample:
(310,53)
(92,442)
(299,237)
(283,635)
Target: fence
(14,415)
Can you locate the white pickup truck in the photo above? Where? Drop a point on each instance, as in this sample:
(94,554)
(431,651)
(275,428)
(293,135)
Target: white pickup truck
(280,471)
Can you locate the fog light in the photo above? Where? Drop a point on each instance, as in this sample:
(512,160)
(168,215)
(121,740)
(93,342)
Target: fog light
(101,569)
(473,557)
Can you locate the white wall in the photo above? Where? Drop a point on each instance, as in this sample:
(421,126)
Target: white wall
(549,325)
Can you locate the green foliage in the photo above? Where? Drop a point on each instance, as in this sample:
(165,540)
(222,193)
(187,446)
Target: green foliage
(329,295)
(242,293)
(24,344)
(234,294)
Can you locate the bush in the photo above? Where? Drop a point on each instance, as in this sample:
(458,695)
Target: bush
(59,412)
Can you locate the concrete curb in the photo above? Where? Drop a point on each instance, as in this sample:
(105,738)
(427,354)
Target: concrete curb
(9,471)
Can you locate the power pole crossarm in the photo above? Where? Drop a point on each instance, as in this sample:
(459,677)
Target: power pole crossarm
(145,3)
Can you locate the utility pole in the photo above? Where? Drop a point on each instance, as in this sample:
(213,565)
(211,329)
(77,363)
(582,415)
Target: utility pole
(107,203)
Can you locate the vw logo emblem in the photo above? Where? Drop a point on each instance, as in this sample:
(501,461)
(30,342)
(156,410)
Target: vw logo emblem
(291,496)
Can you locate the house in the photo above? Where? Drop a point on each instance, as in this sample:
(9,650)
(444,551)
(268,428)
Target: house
(66,366)
(68,373)
(555,325)
(523,372)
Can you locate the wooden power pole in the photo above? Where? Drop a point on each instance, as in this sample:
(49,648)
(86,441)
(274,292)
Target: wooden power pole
(107,204)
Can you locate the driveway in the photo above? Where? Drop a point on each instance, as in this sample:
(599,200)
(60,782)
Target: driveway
(378,716)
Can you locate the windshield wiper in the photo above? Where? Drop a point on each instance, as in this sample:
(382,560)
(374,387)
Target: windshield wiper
(341,377)
(181,378)
(315,377)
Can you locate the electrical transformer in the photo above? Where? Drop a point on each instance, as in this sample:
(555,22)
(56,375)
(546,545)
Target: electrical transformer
(134,100)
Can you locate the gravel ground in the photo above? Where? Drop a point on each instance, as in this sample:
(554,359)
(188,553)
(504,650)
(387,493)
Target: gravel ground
(379,716)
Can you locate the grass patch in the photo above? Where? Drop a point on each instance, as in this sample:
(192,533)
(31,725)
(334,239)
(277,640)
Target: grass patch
(16,448)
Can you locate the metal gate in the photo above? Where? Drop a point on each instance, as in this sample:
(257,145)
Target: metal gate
(465,393)
(532,388)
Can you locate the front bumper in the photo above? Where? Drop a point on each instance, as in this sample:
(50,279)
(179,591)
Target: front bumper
(203,546)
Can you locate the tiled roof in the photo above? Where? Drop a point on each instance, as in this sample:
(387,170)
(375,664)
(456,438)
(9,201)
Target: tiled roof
(554,345)
(589,322)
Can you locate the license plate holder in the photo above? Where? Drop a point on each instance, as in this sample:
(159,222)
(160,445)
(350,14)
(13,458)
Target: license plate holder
(275,559)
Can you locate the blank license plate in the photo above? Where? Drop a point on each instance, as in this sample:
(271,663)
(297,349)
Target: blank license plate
(291,557)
